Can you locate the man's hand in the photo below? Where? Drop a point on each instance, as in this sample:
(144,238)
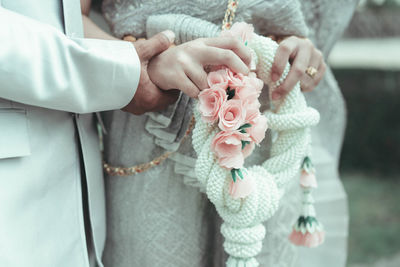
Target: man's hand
(149,97)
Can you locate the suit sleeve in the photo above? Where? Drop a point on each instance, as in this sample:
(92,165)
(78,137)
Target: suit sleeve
(41,66)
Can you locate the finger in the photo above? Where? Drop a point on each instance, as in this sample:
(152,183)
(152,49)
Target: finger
(219,56)
(307,82)
(282,55)
(297,71)
(160,42)
(320,74)
(233,44)
(197,75)
(187,86)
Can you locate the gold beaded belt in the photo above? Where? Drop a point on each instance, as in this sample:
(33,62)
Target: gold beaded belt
(128,171)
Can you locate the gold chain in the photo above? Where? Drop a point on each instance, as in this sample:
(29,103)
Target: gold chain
(128,171)
(229,14)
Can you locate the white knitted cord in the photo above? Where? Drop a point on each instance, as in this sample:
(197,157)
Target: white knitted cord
(243,227)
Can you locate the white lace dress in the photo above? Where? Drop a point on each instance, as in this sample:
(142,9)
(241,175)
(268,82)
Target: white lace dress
(160,217)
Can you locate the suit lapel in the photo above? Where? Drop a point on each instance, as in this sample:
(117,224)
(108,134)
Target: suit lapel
(72,18)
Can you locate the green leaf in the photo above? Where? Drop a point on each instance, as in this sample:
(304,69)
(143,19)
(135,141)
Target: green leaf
(307,165)
(311,220)
(239,171)
(233,173)
(244,143)
(230,92)
(300,221)
(244,126)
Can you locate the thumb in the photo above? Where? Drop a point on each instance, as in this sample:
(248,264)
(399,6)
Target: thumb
(156,44)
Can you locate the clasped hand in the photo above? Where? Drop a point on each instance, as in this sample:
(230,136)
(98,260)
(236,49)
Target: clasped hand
(166,71)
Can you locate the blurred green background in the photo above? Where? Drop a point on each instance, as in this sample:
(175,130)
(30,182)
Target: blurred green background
(369,166)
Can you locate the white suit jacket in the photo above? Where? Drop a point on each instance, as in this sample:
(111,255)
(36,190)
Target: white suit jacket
(51,80)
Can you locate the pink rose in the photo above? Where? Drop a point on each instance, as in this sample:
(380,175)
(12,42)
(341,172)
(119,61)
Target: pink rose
(250,90)
(248,149)
(258,128)
(228,148)
(231,115)
(252,81)
(252,113)
(252,110)
(307,239)
(240,29)
(210,102)
(307,179)
(247,94)
(219,77)
(242,187)
(235,79)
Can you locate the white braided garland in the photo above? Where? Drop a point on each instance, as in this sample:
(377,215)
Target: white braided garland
(242,228)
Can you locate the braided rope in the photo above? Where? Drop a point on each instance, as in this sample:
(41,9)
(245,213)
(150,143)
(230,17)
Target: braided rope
(242,228)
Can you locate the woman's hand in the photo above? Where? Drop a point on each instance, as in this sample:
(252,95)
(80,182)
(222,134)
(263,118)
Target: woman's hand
(302,54)
(182,67)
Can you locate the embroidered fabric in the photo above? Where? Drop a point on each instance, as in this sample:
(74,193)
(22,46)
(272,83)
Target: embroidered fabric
(158,218)
(129,16)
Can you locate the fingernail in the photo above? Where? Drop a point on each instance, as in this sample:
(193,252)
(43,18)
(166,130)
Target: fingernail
(170,35)
(274,77)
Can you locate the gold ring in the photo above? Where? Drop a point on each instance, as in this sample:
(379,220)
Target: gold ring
(311,71)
